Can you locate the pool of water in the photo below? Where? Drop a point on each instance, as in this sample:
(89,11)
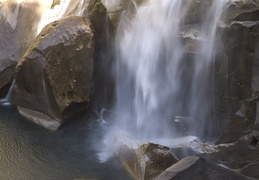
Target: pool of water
(30,152)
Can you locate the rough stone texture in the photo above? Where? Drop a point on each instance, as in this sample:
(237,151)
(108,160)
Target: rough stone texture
(242,156)
(95,11)
(120,10)
(55,73)
(236,70)
(103,54)
(54,3)
(198,169)
(251,170)
(18,25)
(195,11)
(245,151)
(146,161)
(241,10)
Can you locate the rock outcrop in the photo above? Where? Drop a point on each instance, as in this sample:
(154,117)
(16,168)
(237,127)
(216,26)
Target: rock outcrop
(55,73)
(18,25)
(236,69)
(143,160)
(197,169)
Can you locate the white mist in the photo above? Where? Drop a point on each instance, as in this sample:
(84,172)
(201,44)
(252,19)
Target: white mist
(158,83)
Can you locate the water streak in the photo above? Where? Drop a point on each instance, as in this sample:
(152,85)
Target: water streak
(158,78)
(7,100)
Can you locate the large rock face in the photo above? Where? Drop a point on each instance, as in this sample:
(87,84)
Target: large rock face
(55,72)
(236,70)
(18,25)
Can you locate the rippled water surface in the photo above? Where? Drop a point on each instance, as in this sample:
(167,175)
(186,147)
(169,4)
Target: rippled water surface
(31,152)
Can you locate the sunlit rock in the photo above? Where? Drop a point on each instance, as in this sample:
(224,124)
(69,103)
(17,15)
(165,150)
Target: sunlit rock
(144,161)
(54,3)
(18,24)
(198,168)
(55,72)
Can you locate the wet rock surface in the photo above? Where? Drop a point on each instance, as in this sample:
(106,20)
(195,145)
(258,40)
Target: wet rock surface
(56,70)
(143,161)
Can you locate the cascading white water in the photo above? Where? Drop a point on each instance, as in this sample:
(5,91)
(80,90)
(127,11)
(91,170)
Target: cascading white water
(159,82)
(150,53)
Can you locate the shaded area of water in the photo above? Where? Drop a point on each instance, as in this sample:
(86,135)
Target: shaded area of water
(31,152)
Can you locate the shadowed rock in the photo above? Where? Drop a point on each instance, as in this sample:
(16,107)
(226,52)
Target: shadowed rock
(238,67)
(235,70)
(241,155)
(196,168)
(56,70)
(251,170)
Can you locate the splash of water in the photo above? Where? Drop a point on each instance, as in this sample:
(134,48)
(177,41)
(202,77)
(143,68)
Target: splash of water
(160,82)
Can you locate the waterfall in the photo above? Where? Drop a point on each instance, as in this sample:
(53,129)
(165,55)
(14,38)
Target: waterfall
(7,99)
(163,71)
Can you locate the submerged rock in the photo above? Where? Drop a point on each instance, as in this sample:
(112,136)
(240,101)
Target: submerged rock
(56,70)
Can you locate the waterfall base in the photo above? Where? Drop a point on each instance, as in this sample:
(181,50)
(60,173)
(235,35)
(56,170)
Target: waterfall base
(158,158)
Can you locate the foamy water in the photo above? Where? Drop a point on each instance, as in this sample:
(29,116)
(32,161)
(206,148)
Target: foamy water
(154,81)
(157,80)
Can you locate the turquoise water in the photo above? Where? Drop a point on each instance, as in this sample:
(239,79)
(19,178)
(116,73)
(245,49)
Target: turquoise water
(30,152)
